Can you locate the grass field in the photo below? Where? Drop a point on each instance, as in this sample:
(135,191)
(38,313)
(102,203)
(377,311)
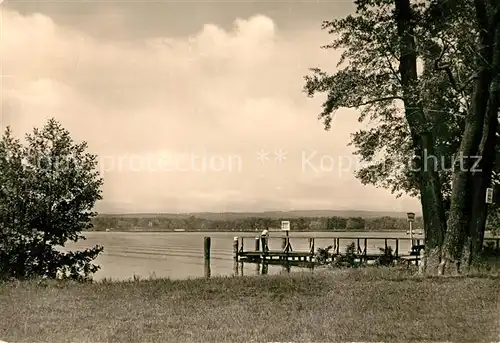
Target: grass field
(356,305)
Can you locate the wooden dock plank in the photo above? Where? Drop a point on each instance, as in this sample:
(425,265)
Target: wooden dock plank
(275,253)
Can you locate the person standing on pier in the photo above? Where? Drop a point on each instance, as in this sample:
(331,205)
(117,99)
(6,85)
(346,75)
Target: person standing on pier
(264,237)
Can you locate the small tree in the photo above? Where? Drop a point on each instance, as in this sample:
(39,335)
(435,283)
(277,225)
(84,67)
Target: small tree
(48,188)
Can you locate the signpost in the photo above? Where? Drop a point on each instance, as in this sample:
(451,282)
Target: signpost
(489,195)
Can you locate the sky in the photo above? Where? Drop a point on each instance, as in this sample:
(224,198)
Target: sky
(190,106)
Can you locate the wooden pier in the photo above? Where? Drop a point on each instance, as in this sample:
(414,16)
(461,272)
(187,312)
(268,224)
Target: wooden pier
(260,253)
(256,250)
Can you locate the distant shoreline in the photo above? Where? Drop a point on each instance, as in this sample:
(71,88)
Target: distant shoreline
(266,214)
(300,221)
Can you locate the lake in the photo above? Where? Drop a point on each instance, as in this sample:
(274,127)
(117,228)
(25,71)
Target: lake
(179,255)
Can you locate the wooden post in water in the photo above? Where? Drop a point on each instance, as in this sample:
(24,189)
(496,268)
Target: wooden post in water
(338,245)
(257,244)
(235,254)
(206,249)
(396,253)
(236,243)
(235,267)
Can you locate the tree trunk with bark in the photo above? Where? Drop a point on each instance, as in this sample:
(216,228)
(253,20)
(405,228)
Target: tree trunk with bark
(467,218)
(481,178)
(422,137)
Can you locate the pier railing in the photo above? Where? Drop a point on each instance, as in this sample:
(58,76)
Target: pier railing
(261,250)
(261,244)
(256,249)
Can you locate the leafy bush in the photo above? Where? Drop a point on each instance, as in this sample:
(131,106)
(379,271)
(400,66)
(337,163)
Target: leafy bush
(347,260)
(48,189)
(323,255)
(387,258)
(488,259)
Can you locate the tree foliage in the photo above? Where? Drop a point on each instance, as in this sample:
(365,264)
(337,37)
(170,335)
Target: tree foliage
(368,79)
(424,75)
(48,188)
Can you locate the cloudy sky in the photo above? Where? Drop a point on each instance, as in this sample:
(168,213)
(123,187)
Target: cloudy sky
(191,106)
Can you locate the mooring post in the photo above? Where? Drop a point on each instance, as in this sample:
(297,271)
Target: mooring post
(257,244)
(236,242)
(338,245)
(235,267)
(206,249)
(397,248)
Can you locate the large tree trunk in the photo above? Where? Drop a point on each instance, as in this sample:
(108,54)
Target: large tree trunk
(482,177)
(422,137)
(461,196)
(468,190)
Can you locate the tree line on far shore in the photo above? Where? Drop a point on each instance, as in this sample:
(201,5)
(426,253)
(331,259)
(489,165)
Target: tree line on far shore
(250,224)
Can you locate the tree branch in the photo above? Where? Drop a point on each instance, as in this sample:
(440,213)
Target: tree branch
(467,82)
(375,101)
(445,67)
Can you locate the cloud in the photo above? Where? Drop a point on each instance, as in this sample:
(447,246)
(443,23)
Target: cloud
(220,95)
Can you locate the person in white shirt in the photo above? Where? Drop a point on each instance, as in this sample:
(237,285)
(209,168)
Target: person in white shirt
(264,236)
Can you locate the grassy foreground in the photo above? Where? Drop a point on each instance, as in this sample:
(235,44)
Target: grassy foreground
(355,305)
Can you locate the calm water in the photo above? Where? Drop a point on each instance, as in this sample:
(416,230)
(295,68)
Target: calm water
(179,255)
